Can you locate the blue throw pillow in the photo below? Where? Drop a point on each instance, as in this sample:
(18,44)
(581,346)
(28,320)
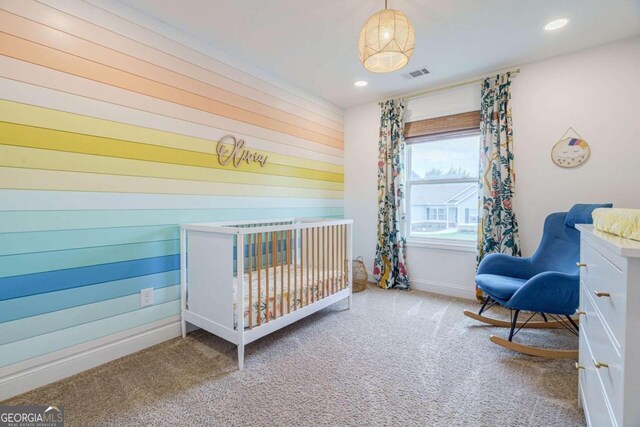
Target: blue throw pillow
(581,213)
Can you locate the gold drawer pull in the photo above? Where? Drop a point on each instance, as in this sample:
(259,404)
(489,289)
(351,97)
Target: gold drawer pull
(580,312)
(580,264)
(602,294)
(600,364)
(579,366)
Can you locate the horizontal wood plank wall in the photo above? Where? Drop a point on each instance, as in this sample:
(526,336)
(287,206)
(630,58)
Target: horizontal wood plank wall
(439,125)
(108,135)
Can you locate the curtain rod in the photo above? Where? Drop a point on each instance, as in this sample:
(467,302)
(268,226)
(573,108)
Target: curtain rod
(412,95)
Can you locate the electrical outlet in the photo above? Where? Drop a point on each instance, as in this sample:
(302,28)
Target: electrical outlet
(146,297)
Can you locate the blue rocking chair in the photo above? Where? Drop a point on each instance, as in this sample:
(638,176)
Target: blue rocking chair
(546,284)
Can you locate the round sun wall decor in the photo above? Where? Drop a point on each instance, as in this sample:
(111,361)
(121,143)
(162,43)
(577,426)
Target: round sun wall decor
(570,151)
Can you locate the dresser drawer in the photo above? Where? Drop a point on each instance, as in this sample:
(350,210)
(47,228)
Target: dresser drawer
(594,400)
(601,276)
(600,349)
(609,329)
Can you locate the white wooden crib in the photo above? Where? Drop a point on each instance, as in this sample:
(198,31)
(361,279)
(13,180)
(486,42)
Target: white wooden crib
(283,271)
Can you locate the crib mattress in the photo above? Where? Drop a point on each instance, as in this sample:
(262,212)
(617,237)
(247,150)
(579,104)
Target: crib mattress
(280,296)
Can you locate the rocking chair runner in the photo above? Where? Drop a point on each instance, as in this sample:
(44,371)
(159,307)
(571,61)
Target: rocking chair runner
(546,284)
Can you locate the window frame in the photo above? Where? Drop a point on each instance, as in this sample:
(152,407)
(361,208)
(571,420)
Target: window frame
(431,242)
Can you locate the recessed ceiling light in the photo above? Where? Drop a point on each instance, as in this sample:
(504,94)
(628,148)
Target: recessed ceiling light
(360,83)
(558,23)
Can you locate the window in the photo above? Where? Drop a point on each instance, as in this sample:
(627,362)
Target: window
(435,213)
(442,181)
(470,216)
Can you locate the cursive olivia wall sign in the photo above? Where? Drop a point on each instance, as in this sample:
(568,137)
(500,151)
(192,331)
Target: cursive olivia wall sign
(236,154)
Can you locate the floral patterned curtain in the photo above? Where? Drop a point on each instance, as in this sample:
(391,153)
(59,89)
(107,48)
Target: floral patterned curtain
(390,263)
(498,228)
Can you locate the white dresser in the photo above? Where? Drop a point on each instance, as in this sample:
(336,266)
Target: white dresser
(609,362)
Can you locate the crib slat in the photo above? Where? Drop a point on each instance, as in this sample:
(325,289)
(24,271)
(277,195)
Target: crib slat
(328,246)
(320,282)
(330,260)
(333,259)
(325,264)
(317,272)
(306,241)
(295,269)
(338,257)
(329,289)
(274,262)
(327,250)
(266,289)
(330,266)
(338,269)
(281,260)
(313,265)
(250,267)
(259,241)
(324,261)
(320,266)
(310,264)
(341,259)
(289,271)
(344,257)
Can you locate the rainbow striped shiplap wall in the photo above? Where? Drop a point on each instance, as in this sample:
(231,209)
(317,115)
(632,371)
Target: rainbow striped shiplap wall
(108,128)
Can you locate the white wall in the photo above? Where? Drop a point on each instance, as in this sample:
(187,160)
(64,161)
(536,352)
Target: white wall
(595,91)
(361,128)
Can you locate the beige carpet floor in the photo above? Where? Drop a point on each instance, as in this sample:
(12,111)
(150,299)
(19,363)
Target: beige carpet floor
(396,358)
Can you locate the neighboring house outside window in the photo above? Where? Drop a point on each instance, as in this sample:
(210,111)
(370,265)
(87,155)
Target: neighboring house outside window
(471,216)
(442,183)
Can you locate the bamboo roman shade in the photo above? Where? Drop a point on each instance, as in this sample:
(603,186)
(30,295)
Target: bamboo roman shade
(455,123)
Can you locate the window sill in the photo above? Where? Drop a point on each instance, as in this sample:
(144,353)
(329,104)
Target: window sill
(447,245)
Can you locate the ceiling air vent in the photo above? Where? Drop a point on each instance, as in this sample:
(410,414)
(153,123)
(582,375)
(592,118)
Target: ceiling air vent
(416,73)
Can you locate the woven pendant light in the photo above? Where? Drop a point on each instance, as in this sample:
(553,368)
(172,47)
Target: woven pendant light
(386,41)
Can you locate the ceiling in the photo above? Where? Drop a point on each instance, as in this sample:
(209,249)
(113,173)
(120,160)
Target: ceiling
(313,44)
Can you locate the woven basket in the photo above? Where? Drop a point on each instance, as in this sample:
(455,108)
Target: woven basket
(360,276)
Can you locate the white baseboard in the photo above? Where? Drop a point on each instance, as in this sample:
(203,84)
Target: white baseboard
(46,373)
(449,289)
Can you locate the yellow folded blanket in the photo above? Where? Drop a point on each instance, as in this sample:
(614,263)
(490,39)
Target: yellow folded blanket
(621,222)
